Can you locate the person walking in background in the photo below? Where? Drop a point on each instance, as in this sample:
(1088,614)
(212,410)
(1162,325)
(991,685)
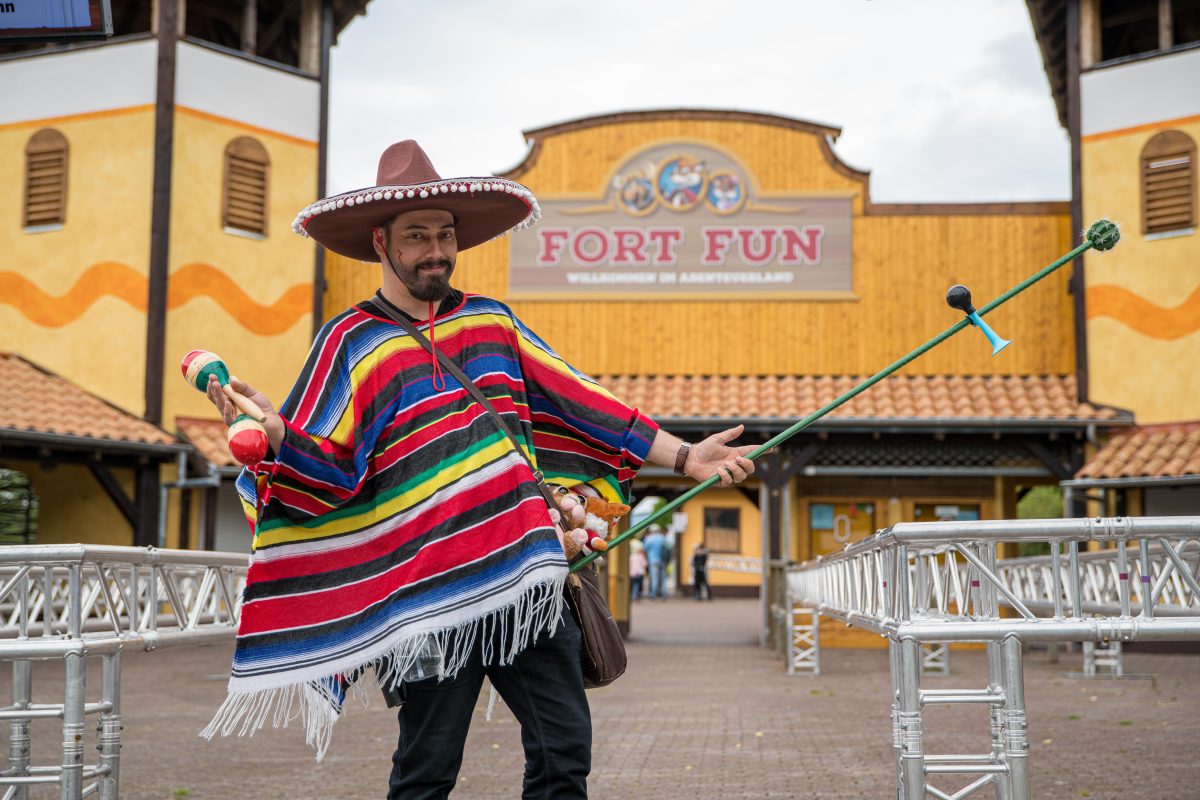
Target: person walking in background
(700,590)
(637,569)
(655,545)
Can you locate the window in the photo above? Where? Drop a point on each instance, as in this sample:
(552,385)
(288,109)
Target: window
(245,196)
(1185,21)
(268,29)
(723,530)
(1133,27)
(1168,183)
(1128,27)
(45,179)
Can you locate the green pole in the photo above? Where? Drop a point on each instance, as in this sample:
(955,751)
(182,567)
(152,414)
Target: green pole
(1102,235)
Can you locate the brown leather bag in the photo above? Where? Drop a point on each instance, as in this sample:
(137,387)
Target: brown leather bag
(602,654)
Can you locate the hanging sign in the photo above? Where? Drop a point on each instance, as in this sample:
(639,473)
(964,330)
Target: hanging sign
(684,220)
(54,20)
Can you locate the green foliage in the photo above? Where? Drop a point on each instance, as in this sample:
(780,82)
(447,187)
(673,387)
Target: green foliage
(18,508)
(1040,502)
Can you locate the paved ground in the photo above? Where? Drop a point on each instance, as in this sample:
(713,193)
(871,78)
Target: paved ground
(702,713)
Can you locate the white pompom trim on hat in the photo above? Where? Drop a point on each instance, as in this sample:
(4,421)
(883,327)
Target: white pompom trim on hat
(425,190)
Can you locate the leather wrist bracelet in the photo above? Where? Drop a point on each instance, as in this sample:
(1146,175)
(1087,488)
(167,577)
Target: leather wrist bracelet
(681,458)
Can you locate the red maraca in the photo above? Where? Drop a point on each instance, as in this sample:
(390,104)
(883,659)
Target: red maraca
(247,436)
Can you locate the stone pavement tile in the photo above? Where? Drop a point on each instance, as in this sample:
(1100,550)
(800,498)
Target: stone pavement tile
(703,712)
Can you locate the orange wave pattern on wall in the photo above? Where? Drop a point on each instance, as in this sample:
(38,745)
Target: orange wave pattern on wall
(1143,316)
(121,281)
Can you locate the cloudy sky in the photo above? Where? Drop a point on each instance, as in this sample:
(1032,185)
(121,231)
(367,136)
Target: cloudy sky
(942,100)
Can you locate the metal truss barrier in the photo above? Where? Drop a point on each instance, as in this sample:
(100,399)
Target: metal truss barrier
(940,582)
(72,601)
(1104,573)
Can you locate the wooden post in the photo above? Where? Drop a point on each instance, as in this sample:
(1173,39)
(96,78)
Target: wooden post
(1078,282)
(250,26)
(168,24)
(618,583)
(146,499)
(210,517)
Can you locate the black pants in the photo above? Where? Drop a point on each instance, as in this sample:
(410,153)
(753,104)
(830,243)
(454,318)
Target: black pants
(543,687)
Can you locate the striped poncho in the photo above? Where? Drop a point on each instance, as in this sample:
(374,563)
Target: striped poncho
(397,520)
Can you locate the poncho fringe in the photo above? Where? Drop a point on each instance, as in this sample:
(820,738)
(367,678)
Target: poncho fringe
(316,703)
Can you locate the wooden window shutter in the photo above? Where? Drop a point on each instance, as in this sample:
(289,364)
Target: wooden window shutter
(45,179)
(244,200)
(1168,183)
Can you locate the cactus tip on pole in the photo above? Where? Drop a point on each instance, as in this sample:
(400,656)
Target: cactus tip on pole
(1103,235)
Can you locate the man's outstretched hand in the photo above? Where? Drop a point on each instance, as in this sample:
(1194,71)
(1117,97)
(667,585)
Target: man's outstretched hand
(714,456)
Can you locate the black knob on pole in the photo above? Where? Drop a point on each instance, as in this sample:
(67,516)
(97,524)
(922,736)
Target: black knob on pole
(959,296)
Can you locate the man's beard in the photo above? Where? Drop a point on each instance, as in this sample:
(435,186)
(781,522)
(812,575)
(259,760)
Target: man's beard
(426,287)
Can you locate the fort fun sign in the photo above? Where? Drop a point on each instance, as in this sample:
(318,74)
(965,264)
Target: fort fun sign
(683,220)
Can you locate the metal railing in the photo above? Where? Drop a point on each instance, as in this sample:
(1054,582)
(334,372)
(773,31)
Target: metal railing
(72,601)
(935,583)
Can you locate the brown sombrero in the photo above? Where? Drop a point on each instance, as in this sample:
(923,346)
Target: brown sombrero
(483,208)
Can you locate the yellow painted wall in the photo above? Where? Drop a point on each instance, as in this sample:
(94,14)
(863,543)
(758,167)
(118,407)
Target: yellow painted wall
(1143,297)
(73,300)
(73,506)
(751,540)
(248,300)
(902,265)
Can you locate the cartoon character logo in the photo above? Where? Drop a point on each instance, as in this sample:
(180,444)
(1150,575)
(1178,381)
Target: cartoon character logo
(681,182)
(637,195)
(725,193)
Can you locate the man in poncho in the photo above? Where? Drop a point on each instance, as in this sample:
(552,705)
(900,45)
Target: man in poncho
(396,528)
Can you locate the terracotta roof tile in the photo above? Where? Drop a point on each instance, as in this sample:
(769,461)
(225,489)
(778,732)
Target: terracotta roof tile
(210,437)
(36,400)
(909,398)
(1149,451)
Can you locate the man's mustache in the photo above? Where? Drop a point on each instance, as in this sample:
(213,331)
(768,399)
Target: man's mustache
(435,262)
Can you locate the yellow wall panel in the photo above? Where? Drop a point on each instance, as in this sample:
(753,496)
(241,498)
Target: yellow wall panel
(751,545)
(247,299)
(73,300)
(74,507)
(1143,296)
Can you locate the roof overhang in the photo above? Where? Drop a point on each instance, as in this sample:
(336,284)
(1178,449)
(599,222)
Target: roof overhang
(958,425)
(1139,482)
(57,442)
(1049,20)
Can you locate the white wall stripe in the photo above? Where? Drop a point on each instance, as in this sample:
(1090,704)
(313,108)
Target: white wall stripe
(1141,92)
(78,82)
(240,90)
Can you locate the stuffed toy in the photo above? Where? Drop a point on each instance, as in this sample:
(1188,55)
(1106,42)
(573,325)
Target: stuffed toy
(600,521)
